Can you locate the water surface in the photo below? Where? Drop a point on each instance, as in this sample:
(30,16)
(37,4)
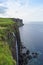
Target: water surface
(32,38)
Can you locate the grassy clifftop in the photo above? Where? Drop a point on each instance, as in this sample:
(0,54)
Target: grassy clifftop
(5,53)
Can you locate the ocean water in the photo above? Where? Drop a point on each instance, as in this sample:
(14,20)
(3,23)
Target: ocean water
(32,37)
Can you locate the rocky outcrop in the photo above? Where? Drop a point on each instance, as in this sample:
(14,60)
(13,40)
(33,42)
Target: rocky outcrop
(18,21)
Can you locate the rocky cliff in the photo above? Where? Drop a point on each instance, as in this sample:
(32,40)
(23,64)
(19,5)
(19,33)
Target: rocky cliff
(9,37)
(9,33)
(18,21)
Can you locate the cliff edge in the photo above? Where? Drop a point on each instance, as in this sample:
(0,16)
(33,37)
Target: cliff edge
(18,21)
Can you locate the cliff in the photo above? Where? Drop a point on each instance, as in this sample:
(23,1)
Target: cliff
(10,44)
(7,43)
(10,35)
(18,21)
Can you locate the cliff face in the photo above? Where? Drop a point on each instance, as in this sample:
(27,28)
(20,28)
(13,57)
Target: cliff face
(18,21)
(9,33)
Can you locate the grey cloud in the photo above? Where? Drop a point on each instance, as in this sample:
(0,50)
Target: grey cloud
(2,9)
(1,1)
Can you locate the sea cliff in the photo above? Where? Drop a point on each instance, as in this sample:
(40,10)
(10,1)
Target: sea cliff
(10,44)
(18,21)
(9,36)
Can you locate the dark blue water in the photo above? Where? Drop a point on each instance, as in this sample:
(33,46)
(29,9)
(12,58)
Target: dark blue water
(32,38)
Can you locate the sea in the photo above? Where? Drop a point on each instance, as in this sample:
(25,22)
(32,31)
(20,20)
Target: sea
(32,38)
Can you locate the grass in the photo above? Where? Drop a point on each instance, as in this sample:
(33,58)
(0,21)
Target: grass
(5,53)
(6,21)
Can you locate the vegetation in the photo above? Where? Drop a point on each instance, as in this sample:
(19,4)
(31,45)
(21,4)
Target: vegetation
(6,58)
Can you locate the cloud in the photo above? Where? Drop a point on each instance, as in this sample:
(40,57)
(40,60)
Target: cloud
(23,9)
(3,6)
(2,9)
(2,1)
(15,9)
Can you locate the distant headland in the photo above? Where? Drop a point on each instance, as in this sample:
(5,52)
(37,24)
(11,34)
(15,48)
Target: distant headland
(18,21)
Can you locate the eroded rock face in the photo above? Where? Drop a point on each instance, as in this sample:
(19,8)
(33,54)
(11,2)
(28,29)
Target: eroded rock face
(18,21)
(12,44)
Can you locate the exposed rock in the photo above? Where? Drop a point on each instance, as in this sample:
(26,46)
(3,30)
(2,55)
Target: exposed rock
(35,55)
(18,21)
(27,52)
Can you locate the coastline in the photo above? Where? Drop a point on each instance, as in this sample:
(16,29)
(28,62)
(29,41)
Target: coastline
(8,27)
(9,32)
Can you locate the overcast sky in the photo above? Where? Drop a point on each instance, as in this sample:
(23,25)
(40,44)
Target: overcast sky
(28,10)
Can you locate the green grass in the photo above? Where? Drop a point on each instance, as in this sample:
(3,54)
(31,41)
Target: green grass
(6,24)
(6,21)
(5,53)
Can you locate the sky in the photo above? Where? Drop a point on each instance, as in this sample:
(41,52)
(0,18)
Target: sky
(28,10)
